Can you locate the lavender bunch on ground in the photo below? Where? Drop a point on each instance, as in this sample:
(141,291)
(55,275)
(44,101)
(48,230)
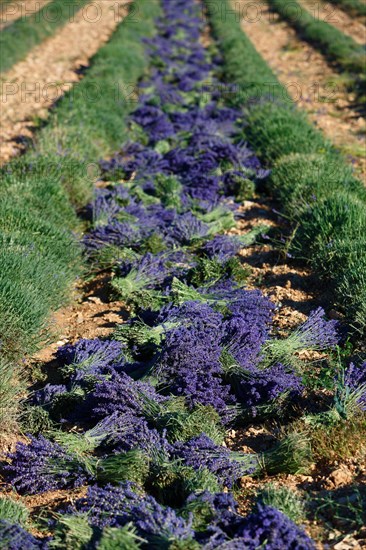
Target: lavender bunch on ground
(258,387)
(271,528)
(317,332)
(213,513)
(187,228)
(14,537)
(125,432)
(149,272)
(44,466)
(184,347)
(90,355)
(158,523)
(202,452)
(222,247)
(121,234)
(121,394)
(351,390)
(108,506)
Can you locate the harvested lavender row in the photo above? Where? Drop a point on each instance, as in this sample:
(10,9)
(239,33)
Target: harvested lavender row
(149,407)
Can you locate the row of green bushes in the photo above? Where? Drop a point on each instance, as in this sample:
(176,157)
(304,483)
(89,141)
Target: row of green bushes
(354,7)
(314,185)
(40,191)
(339,47)
(17,39)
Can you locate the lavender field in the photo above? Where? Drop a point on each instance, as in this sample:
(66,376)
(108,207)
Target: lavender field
(142,436)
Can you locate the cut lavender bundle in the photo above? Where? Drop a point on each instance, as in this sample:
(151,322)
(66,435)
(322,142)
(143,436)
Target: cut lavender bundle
(270,527)
(213,510)
(160,524)
(44,466)
(150,271)
(117,506)
(14,537)
(109,505)
(350,386)
(120,394)
(98,352)
(125,432)
(222,247)
(202,452)
(256,389)
(185,346)
(316,334)
(121,234)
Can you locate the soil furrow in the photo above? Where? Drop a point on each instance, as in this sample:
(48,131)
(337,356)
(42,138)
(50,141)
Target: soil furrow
(337,18)
(314,86)
(12,11)
(49,70)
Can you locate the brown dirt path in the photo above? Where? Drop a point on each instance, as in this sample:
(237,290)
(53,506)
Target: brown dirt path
(312,83)
(10,12)
(34,84)
(336,17)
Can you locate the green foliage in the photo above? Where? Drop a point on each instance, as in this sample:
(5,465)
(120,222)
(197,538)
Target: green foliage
(120,538)
(354,7)
(219,219)
(201,480)
(171,482)
(40,257)
(71,533)
(183,425)
(343,509)
(283,498)
(333,235)
(200,511)
(168,189)
(133,466)
(292,455)
(299,180)
(276,129)
(154,244)
(244,189)
(306,167)
(207,272)
(13,511)
(11,389)
(35,420)
(330,40)
(18,38)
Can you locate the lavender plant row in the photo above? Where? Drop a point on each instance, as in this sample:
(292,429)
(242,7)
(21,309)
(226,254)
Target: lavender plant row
(149,406)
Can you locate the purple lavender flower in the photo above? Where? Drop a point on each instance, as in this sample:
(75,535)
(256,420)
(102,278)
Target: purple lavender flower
(270,527)
(114,233)
(47,394)
(355,380)
(243,340)
(116,506)
(152,519)
(222,507)
(43,466)
(14,537)
(120,394)
(191,313)
(124,432)
(148,272)
(101,352)
(187,228)
(258,387)
(222,247)
(109,505)
(317,333)
(185,347)
(202,452)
